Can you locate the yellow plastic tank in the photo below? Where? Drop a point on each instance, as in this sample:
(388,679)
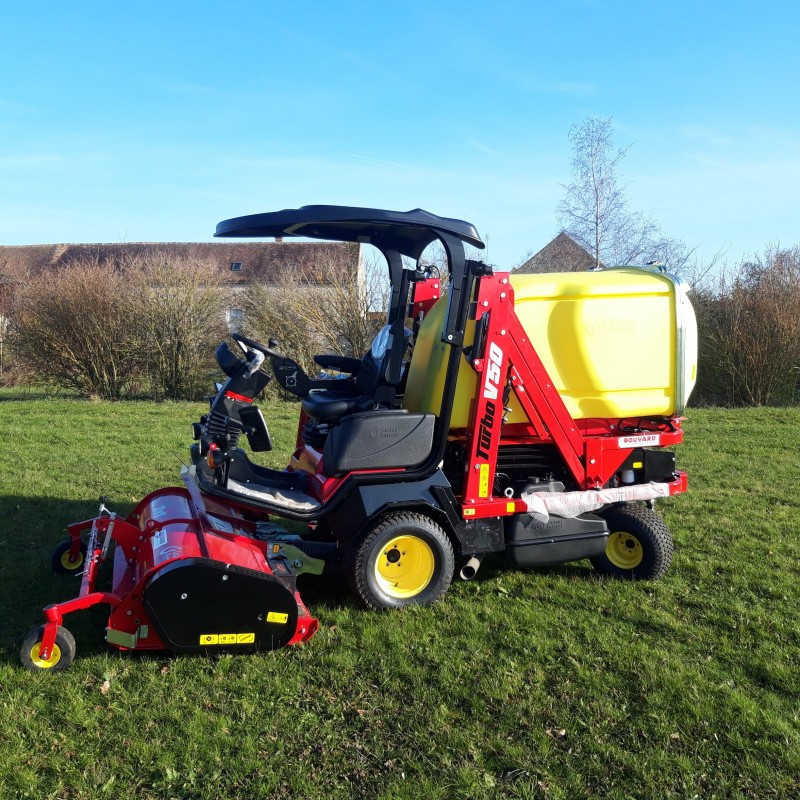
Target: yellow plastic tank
(617,343)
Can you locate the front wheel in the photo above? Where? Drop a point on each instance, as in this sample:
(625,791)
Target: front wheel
(404,559)
(639,545)
(61,655)
(64,562)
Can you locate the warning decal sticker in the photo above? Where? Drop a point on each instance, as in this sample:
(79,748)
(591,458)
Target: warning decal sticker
(210,639)
(483,481)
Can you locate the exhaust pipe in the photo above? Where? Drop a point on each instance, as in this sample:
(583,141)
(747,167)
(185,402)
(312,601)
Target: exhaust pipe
(470,569)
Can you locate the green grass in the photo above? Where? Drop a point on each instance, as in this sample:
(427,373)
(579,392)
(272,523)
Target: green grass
(683,688)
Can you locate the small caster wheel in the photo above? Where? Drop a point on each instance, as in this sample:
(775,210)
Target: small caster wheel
(64,563)
(60,657)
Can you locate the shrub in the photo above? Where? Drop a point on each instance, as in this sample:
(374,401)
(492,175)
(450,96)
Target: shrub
(77,330)
(750,332)
(145,326)
(181,306)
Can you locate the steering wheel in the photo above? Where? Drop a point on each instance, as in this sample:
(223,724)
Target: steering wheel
(244,340)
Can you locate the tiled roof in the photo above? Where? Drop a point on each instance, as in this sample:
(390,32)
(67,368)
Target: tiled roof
(262,261)
(562,254)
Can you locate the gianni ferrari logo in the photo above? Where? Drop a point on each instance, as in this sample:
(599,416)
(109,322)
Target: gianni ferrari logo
(491,391)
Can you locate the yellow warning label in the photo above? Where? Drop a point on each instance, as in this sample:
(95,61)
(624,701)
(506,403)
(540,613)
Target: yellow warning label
(469,512)
(210,639)
(510,506)
(483,485)
(276,616)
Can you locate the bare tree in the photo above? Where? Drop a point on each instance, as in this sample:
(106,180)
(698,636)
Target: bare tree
(345,311)
(329,309)
(595,212)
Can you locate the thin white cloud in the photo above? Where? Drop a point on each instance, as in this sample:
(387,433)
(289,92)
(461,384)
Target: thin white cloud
(67,163)
(485,149)
(383,163)
(31,161)
(15,107)
(194,89)
(338,53)
(705,134)
(536,83)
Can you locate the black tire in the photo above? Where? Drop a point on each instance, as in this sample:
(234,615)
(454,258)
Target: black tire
(639,544)
(60,559)
(60,658)
(403,559)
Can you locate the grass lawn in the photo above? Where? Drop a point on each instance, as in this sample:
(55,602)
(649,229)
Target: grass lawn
(549,683)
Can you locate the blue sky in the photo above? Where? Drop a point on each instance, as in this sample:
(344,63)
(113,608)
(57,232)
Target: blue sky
(149,121)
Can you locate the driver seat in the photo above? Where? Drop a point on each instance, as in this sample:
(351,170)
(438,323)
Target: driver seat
(373,384)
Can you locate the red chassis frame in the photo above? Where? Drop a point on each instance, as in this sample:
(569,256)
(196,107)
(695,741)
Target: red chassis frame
(593,449)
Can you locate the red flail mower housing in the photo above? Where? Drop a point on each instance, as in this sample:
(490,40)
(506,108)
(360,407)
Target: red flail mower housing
(521,415)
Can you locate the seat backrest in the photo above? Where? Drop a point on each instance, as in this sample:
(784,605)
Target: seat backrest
(380,366)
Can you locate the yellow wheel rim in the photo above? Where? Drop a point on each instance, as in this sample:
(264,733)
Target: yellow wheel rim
(71,565)
(624,550)
(45,663)
(404,566)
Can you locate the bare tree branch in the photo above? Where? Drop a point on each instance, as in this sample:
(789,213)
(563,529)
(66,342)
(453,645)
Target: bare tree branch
(594,210)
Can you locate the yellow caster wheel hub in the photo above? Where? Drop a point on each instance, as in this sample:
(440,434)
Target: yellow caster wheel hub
(45,663)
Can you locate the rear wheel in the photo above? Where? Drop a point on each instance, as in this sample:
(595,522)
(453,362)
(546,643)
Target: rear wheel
(639,544)
(64,563)
(404,559)
(61,654)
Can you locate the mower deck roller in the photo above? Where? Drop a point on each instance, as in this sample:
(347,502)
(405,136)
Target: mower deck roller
(529,416)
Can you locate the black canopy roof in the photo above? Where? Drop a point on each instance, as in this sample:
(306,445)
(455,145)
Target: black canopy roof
(408,232)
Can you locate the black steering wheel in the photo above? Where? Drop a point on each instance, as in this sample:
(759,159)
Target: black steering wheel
(252,343)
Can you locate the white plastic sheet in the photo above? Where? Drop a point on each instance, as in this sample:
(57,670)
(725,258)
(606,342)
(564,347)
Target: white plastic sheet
(571,504)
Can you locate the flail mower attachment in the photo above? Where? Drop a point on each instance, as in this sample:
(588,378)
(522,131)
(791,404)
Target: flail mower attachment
(189,575)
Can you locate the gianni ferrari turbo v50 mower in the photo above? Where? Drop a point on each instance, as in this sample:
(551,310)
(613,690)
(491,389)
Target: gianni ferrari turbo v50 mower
(525,415)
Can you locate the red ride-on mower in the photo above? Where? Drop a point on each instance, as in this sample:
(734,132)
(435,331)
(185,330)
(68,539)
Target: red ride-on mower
(524,415)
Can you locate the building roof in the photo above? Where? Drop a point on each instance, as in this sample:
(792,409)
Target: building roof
(562,254)
(261,261)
